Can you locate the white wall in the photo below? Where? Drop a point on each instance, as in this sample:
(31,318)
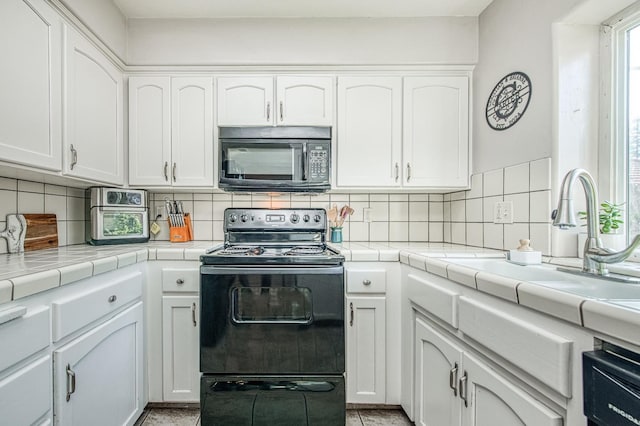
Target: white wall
(105,20)
(445,40)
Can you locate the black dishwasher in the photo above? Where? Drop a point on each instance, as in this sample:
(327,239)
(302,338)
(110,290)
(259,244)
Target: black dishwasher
(611,380)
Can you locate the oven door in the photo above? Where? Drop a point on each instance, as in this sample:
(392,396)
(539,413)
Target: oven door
(272,320)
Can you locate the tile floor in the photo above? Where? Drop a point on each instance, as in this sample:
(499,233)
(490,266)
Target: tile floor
(191,417)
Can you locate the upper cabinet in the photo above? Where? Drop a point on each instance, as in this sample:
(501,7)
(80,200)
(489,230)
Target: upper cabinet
(171,131)
(369,126)
(435,147)
(93,132)
(414,131)
(31,84)
(298,101)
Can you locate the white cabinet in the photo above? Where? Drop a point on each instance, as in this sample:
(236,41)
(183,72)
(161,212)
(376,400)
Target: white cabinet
(180,348)
(171,131)
(298,101)
(492,400)
(369,125)
(437,365)
(366,360)
(98,377)
(413,130)
(31,84)
(435,147)
(93,113)
(453,387)
(26,395)
(366,335)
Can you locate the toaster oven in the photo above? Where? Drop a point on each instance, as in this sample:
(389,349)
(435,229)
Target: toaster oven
(116,216)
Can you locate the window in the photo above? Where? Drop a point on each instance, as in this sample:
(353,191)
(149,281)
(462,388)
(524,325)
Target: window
(633,129)
(627,115)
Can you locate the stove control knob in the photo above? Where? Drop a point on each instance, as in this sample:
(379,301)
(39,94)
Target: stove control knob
(295,218)
(306,218)
(316,218)
(244,218)
(233,217)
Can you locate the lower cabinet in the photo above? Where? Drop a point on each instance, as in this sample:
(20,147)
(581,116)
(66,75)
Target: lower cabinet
(180,348)
(366,349)
(25,396)
(98,377)
(454,387)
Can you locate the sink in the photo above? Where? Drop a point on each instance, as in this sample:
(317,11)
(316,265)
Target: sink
(548,276)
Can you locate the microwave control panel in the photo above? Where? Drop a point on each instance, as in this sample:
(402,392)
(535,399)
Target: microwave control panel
(318,163)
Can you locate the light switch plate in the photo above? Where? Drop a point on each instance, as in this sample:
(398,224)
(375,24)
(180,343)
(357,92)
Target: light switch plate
(366,212)
(503,212)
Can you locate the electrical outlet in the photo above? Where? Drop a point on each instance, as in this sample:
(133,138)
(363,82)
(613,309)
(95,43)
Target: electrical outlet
(159,212)
(366,212)
(503,212)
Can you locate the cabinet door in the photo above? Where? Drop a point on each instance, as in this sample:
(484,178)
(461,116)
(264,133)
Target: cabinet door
(149,130)
(31,84)
(180,348)
(192,131)
(436,132)
(369,126)
(366,350)
(25,396)
(98,377)
(437,362)
(304,101)
(245,101)
(493,401)
(93,134)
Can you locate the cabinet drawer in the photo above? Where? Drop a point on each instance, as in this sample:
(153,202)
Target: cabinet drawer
(74,312)
(24,336)
(181,279)
(433,298)
(26,395)
(544,355)
(366,281)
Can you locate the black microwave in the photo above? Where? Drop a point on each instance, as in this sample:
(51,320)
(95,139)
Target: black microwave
(275,159)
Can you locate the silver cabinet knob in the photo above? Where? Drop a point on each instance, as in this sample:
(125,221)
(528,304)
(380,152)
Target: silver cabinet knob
(366,282)
(112,298)
(179,281)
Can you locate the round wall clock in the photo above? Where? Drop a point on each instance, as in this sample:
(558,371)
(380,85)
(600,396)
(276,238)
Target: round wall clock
(508,101)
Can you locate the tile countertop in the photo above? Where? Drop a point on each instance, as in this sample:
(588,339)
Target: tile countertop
(25,274)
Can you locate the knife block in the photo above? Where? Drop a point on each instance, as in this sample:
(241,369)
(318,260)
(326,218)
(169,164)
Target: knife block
(181,234)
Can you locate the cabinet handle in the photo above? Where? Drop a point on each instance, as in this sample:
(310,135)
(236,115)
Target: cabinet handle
(166,171)
(462,385)
(71,382)
(268,111)
(74,157)
(453,378)
(408,172)
(112,298)
(179,281)
(397,171)
(351,317)
(281,112)
(366,282)
(173,171)
(193,314)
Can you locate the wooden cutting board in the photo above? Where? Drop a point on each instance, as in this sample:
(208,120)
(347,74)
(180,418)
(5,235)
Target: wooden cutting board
(42,231)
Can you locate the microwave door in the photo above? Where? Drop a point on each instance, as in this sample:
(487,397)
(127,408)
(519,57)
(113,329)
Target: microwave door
(266,163)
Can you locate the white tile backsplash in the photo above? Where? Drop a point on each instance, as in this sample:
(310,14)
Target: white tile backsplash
(516,179)
(513,233)
(418,231)
(31,202)
(398,211)
(458,233)
(494,236)
(398,231)
(540,236)
(419,212)
(540,206)
(540,175)
(492,183)
(476,186)
(475,234)
(458,211)
(520,206)
(474,210)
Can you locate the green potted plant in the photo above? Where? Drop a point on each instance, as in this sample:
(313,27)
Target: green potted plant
(610,217)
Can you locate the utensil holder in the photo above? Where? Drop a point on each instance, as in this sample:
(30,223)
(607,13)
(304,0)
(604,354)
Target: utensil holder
(336,234)
(181,234)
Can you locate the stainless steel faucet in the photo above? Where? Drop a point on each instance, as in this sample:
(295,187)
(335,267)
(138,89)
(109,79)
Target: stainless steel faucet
(596,257)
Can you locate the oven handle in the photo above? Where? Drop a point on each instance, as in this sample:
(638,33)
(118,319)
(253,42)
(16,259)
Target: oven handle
(215,270)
